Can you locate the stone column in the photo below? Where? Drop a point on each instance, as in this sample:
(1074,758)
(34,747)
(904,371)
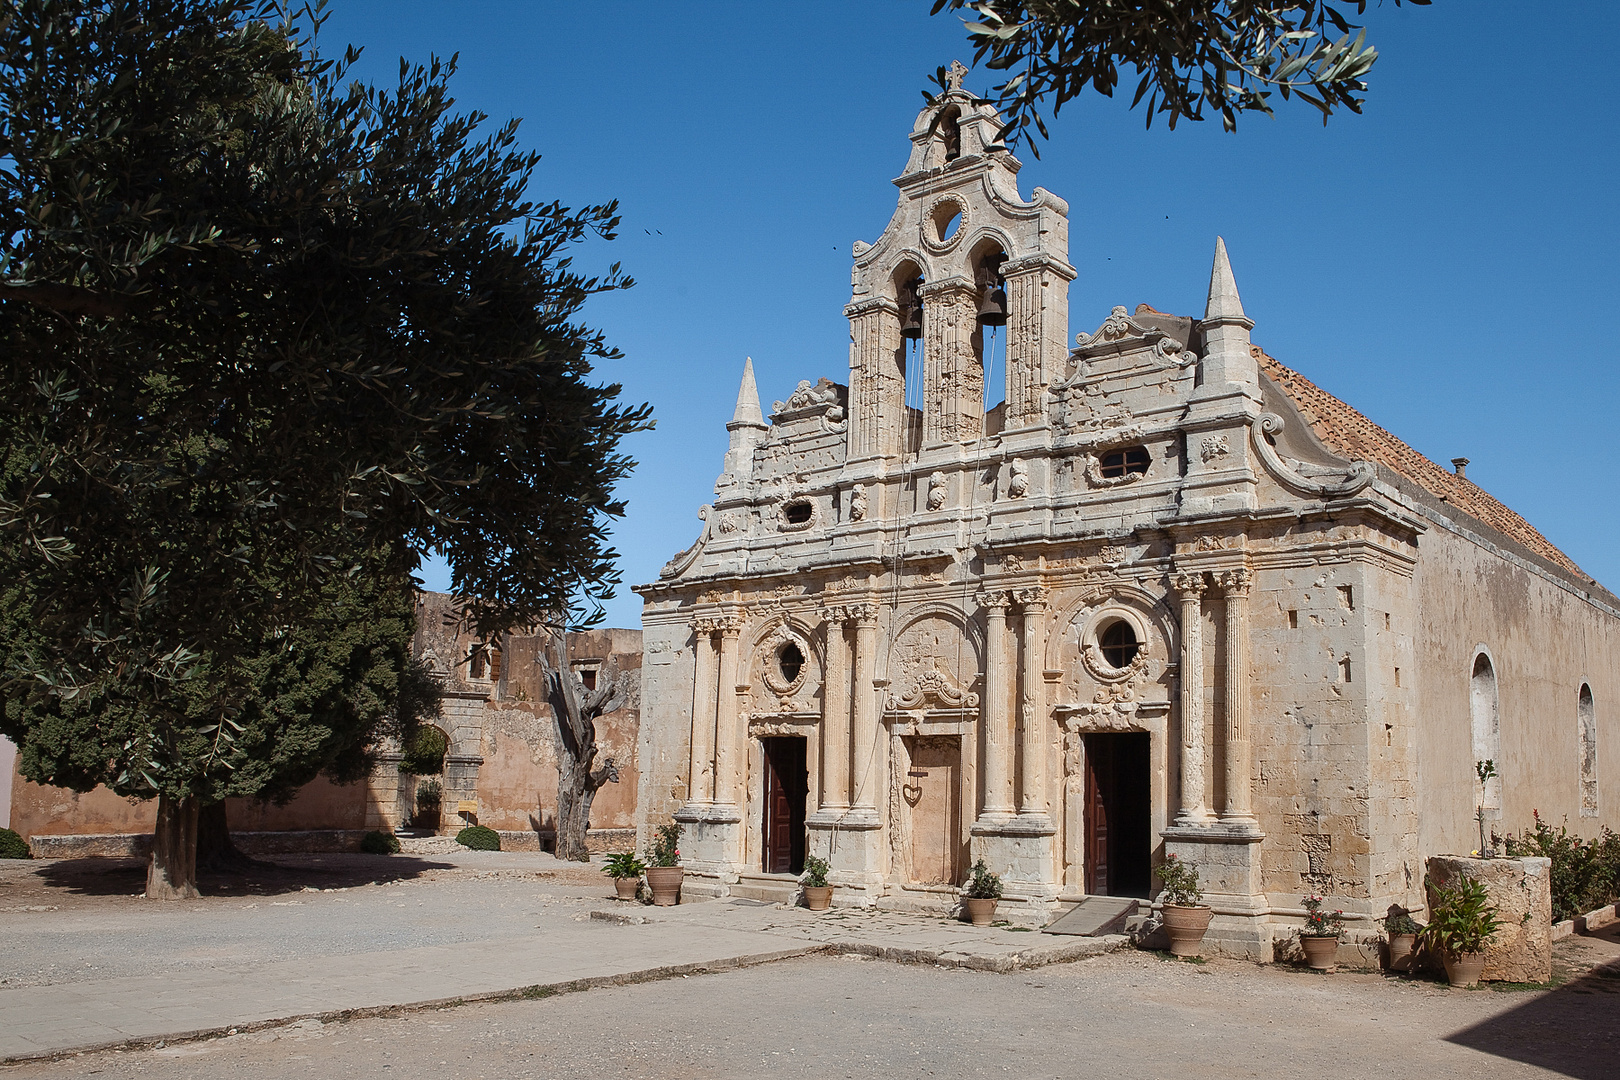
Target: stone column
(864,728)
(1032,707)
(953,377)
(998,781)
(700,787)
(1190,586)
(1239,755)
(726,739)
(835,737)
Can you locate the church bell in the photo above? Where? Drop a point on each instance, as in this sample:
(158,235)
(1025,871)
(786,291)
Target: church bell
(910,310)
(993,305)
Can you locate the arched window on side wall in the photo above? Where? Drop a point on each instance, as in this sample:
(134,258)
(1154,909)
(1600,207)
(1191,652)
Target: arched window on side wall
(1485,714)
(1589,779)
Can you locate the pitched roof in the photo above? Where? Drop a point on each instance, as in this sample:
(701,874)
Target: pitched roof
(1350,434)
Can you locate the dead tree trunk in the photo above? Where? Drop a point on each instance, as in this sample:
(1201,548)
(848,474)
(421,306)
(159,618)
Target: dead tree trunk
(215,849)
(579,778)
(172,872)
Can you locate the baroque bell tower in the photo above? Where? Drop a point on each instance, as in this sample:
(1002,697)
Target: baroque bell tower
(963,252)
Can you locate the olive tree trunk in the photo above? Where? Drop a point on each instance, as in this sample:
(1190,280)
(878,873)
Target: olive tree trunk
(579,777)
(172,872)
(215,849)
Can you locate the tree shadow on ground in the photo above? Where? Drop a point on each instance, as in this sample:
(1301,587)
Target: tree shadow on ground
(124,877)
(1568,1030)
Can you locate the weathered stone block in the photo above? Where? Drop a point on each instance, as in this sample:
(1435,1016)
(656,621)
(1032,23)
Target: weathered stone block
(1521,890)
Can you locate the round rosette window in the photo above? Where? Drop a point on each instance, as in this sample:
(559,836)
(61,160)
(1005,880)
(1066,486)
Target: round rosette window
(1116,646)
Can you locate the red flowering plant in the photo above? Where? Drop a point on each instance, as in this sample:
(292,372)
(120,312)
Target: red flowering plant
(666,850)
(1319,923)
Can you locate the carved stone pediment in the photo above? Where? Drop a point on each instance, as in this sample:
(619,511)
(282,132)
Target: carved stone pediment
(1120,333)
(933,688)
(825,398)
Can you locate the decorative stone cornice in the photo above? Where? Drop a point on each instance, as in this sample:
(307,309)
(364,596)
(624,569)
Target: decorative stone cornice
(866,307)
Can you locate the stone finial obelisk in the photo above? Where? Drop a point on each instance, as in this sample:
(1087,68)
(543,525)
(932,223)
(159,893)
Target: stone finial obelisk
(747,427)
(1227,360)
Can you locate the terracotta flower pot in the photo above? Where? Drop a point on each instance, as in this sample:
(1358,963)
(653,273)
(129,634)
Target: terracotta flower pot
(626,887)
(1464,969)
(665,882)
(980,911)
(1321,953)
(1186,924)
(818,897)
(1400,951)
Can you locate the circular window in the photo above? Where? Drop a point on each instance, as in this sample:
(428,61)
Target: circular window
(945,217)
(1118,644)
(790,661)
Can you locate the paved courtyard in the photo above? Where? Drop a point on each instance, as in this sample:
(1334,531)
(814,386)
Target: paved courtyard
(358,946)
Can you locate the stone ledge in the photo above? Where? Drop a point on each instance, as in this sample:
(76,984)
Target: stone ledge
(1594,920)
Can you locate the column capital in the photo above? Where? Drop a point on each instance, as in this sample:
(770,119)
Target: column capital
(834,614)
(861,613)
(1031,598)
(866,307)
(729,625)
(1236,582)
(995,599)
(1188,583)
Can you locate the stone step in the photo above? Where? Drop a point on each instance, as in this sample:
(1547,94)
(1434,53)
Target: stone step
(768,888)
(1095,916)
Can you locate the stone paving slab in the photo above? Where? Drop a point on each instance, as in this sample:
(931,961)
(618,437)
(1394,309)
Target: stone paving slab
(49,1020)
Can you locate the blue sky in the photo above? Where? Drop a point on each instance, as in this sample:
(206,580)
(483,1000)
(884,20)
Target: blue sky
(1445,262)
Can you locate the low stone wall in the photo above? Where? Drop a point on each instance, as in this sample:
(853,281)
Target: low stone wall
(1521,890)
(139,845)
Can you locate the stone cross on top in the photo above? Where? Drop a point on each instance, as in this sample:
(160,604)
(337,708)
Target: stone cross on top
(954,77)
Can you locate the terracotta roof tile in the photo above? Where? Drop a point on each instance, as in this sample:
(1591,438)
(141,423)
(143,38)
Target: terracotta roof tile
(1352,435)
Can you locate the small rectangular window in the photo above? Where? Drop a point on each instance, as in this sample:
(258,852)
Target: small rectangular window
(1386,620)
(1346,598)
(1344,670)
(588,677)
(1293,620)
(1397,677)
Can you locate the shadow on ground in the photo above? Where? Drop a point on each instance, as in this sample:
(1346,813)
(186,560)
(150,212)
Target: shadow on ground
(123,877)
(1569,1030)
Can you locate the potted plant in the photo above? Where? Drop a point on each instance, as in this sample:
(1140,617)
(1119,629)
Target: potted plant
(625,870)
(1319,937)
(1401,930)
(1462,922)
(1186,919)
(429,797)
(980,896)
(664,871)
(817,892)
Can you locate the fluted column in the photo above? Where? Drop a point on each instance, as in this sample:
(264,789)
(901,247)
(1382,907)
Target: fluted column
(835,738)
(1032,704)
(864,728)
(998,781)
(1194,811)
(1239,753)
(877,379)
(726,739)
(953,376)
(700,787)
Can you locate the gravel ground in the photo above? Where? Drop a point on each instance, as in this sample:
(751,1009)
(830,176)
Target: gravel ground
(84,919)
(1123,1015)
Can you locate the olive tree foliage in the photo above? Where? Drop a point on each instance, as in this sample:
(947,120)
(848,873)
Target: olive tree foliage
(268,335)
(1188,56)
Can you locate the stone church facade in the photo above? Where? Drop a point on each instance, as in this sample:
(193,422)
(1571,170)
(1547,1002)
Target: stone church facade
(1165,597)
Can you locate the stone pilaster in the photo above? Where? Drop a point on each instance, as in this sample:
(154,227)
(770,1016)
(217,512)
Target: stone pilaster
(700,785)
(864,722)
(998,779)
(1032,716)
(1239,752)
(1037,334)
(877,379)
(953,376)
(1194,810)
(835,727)
(727,738)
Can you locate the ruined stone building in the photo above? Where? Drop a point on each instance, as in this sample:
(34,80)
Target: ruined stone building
(1072,608)
(499,768)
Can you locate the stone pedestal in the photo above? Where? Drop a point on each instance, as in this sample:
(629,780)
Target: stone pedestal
(1521,890)
(854,848)
(1020,851)
(1228,860)
(711,847)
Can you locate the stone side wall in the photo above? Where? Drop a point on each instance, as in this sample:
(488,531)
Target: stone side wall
(1544,642)
(664,741)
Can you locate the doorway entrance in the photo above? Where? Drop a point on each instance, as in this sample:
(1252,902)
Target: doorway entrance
(787,785)
(933,795)
(1118,833)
